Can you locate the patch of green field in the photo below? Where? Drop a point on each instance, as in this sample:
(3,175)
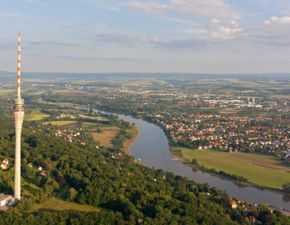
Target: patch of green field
(6,91)
(89,125)
(227,111)
(36,115)
(61,122)
(106,135)
(257,169)
(57,204)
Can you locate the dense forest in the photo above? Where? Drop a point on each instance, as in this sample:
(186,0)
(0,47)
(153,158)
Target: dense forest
(124,191)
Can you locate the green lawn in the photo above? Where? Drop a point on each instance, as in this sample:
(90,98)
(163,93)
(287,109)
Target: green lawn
(6,91)
(36,115)
(57,204)
(257,169)
(106,135)
(89,125)
(61,122)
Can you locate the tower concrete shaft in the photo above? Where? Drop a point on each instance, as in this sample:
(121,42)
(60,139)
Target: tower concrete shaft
(18,119)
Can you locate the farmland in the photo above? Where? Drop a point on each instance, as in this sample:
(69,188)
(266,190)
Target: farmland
(105,135)
(61,123)
(4,92)
(35,115)
(257,169)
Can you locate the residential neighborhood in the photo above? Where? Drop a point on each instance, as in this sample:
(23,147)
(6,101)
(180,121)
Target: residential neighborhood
(227,133)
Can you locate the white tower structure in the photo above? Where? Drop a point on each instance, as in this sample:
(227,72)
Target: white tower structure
(18,118)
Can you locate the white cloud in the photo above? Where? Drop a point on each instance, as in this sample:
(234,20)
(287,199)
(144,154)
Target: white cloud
(214,21)
(217,31)
(8,14)
(148,7)
(226,33)
(37,2)
(278,20)
(205,8)
(198,8)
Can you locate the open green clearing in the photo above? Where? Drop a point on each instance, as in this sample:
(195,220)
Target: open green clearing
(60,205)
(106,135)
(36,115)
(257,169)
(109,132)
(61,122)
(89,125)
(6,91)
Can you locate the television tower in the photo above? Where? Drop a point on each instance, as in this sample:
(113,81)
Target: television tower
(18,118)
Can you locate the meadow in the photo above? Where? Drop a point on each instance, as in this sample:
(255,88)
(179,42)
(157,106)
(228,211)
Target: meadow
(105,135)
(35,115)
(62,123)
(4,92)
(260,170)
(60,205)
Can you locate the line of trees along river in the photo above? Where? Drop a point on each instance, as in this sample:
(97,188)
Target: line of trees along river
(152,148)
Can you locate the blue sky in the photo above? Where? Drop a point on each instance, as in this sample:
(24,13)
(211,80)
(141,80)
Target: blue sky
(207,36)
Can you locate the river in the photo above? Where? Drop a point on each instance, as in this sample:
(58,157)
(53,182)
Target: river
(153,149)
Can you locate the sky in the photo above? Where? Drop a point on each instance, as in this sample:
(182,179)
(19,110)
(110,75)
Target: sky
(194,36)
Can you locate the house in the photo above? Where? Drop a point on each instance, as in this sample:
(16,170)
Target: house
(5,164)
(43,173)
(5,200)
(233,204)
(252,219)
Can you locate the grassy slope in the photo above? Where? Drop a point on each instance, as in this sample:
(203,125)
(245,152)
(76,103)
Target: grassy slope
(258,169)
(57,204)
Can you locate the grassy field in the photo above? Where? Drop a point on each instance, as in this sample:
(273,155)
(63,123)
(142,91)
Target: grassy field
(227,111)
(257,169)
(61,122)
(128,143)
(57,204)
(106,135)
(89,125)
(36,115)
(6,91)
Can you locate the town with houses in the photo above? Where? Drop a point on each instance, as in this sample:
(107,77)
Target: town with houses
(227,133)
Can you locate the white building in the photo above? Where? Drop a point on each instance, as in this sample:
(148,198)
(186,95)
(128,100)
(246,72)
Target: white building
(5,164)
(5,200)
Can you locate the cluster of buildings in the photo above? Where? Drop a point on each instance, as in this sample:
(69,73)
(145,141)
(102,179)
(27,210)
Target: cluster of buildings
(235,103)
(227,133)
(41,171)
(72,135)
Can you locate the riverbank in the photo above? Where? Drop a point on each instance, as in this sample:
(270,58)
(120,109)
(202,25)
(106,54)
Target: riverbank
(251,169)
(135,133)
